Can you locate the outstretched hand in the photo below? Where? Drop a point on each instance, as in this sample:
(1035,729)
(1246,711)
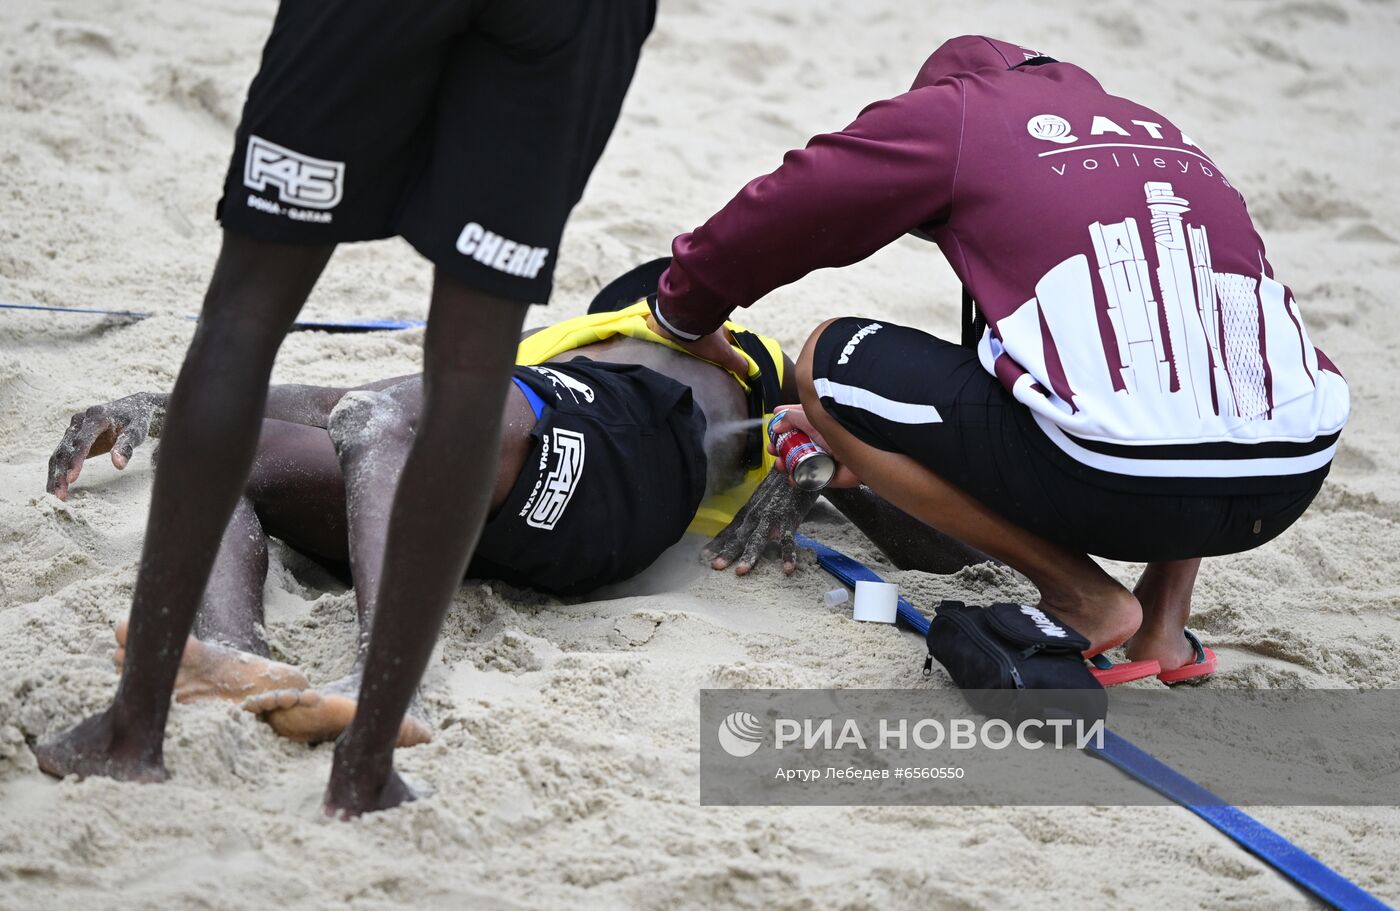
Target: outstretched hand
(771,516)
(116,427)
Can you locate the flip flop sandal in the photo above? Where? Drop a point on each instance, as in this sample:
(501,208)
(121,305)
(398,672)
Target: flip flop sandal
(1109,674)
(1203,666)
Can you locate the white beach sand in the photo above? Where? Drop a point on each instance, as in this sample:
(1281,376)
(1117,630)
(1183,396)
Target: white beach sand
(565,770)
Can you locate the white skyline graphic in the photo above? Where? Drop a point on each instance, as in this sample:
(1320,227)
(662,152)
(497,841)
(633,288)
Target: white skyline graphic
(1205,343)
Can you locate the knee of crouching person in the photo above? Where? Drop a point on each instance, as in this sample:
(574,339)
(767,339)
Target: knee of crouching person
(805,389)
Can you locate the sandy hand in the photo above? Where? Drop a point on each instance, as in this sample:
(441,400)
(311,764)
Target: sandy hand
(316,716)
(209,671)
(116,427)
(771,516)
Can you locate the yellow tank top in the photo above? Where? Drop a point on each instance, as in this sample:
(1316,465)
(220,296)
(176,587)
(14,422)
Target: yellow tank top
(717,509)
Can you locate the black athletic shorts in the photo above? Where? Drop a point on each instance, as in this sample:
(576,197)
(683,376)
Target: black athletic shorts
(615,474)
(469,127)
(938,405)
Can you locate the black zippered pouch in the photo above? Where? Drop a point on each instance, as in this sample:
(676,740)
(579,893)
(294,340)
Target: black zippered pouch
(1013,647)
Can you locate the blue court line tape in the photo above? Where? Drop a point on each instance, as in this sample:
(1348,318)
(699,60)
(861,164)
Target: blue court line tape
(1293,862)
(365,325)
(1249,833)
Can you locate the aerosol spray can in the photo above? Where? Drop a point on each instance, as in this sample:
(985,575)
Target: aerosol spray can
(810,466)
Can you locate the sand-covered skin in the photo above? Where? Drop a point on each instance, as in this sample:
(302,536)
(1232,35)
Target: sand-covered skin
(565,768)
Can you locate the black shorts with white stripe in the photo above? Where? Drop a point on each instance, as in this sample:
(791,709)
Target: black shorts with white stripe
(905,391)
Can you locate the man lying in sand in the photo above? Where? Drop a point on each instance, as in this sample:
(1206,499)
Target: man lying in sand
(1139,386)
(613,440)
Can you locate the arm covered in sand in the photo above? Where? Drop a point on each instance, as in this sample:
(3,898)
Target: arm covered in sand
(120,426)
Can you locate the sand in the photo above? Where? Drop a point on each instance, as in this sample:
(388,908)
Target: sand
(565,770)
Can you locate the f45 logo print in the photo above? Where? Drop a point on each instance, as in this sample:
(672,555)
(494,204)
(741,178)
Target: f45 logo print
(565,472)
(300,179)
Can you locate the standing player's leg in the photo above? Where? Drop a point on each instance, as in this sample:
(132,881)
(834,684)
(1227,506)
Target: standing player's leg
(529,98)
(306,173)
(440,506)
(211,433)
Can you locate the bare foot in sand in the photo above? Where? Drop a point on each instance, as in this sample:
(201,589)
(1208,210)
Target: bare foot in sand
(360,785)
(316,716)
(209,671)
(94,746)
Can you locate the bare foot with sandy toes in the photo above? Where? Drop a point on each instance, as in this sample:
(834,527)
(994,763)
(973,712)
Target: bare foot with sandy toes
(316,716)
(94,747)
(210,671)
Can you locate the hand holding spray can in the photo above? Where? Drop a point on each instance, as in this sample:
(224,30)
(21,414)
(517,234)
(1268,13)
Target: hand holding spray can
(809,465)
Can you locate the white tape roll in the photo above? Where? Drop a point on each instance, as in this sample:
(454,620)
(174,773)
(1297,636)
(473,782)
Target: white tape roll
(876,602)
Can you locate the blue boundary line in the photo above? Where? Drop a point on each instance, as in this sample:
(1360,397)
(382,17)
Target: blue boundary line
(365,325)
(1293,862)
